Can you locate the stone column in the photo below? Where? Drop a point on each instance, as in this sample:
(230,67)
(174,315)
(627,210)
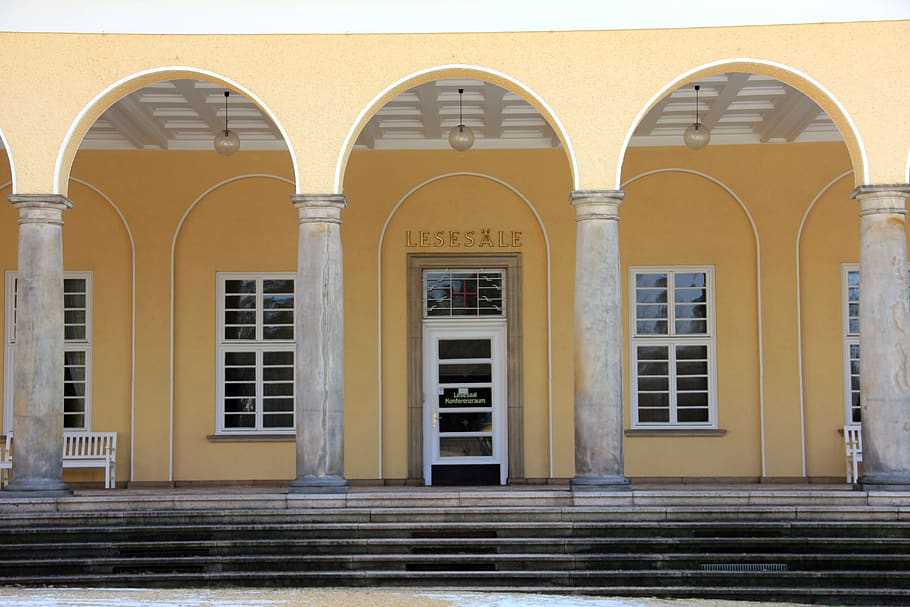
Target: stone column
(598,342)
(319,330)
(884,321)
(38,370)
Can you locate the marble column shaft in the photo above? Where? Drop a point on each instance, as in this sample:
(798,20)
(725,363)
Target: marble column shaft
(319,320)
(38,370)
(884,320)
(598,343)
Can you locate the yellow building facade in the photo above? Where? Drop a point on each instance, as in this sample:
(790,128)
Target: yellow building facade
(590,310)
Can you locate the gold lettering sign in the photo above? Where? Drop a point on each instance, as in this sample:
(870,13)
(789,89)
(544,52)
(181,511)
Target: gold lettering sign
(478,239)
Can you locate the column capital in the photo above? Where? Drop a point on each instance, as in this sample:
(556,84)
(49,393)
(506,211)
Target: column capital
(319,208)
(596,204)
(887,199)
(40,208)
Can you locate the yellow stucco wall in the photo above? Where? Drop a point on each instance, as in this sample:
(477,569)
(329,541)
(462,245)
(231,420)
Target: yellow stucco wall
(676,211)
(322,88)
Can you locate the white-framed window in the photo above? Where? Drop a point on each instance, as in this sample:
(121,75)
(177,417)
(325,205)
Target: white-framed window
(77,350)
(255,353)
(673,369)
(463,293)
(850,297)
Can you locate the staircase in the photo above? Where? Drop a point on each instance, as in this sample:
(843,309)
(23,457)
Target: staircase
(835,548)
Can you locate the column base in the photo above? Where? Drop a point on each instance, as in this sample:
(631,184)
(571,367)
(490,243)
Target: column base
(319,484)
(884,482)
(600,483)
(36,488)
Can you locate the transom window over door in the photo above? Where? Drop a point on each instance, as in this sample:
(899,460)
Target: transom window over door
(256,353)
(77,349)
(673,374)
(463,293)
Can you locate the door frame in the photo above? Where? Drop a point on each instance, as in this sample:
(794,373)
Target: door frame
(511,263)
(474,328)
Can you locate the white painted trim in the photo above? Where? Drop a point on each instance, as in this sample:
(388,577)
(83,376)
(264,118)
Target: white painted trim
(758,285)
(372,107)
(12,165)
(546,238)
(847,339)
(415,16)
(189,209)
(129,234)
(799,311)
(675,83)
(58,166)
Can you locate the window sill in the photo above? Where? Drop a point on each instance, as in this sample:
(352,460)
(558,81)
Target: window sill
(251,438)
(675,432)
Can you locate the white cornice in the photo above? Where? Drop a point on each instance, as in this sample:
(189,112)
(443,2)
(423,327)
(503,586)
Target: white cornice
(420,16)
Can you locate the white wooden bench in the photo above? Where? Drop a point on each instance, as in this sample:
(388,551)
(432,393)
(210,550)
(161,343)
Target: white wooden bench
(853,446)
(80,450)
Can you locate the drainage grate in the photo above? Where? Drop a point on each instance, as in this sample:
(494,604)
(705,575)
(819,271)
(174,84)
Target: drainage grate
(745,567)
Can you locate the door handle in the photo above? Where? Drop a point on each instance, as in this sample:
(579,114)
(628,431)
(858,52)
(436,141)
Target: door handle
(435,419)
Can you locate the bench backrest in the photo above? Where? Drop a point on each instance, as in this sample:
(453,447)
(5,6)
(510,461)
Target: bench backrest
(79,445)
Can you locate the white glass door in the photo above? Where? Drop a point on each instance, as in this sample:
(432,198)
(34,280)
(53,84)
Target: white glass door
(465,401)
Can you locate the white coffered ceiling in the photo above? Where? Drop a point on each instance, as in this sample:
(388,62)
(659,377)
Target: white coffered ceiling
(737,108)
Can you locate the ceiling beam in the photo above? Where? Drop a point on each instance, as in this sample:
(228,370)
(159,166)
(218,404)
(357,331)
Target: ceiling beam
(429,110)
(133,121)
(492,106)
(789,118)
(726,96)
(648,123)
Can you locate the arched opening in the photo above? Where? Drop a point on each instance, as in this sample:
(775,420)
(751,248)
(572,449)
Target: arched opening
(424,218)
(147,143)
(775,146)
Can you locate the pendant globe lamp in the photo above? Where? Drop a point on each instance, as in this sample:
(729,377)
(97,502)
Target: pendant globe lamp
(697,135)
(226,142)
(461,137)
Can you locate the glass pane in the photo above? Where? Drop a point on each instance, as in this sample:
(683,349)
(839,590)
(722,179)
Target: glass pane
(690,279)
(692,399)
(285,332)
(240,358)
(73,405)
(278,285)
(651,327)
(653,384)
(651,280)
(239,286)
(692,327)
(653,399)
(239,389)
(74,317)
(652,353)
(239,405)
(239,421)
(690,295)
(74,332)
(474,446)
(243,333)
(691,311)
(466,422)
(278,358)
(76,421)
(692,352)
(699,415)
(643,311)
(75,358)
(73,373)
(652,368)
(464,348)
(240,302)
(278,389)
(692,368)
(240,373)
(282,302)
(460,373)
(278,373)
(74,301)
(463,293)
(651,295)
(277,405)
(466,397)
(73,389)
(278,317)
(854,325)
(691,383)
(239,317)
(74,285)
(651,416)
(281,420)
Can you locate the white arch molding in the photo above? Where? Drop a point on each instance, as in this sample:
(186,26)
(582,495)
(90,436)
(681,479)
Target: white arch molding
(9,158)
(546,239)
(186,214)
(373,106)
(758,290)
(675,83)
(58,165)
(799,300)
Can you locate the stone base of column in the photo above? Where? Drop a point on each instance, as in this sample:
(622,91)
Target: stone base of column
(884,482)
(30,489)
(319,484)
(600,483)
